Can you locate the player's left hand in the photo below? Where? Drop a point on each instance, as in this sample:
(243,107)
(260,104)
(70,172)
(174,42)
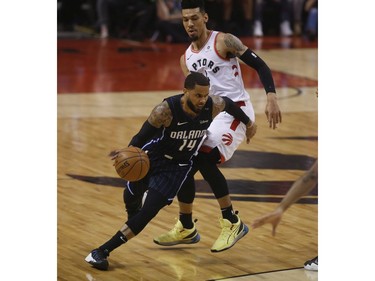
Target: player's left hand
(272,111)
(114,153)
(273,218)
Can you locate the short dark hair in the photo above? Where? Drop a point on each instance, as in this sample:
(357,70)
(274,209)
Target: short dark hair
(191,4)
(196,78)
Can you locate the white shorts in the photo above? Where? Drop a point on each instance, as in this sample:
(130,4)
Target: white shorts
(227,133)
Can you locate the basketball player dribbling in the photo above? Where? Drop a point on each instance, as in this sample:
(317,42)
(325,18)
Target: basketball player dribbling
(172,135)
(215,55)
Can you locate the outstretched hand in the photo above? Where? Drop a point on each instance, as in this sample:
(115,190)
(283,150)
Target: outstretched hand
(273,218)
(272,111)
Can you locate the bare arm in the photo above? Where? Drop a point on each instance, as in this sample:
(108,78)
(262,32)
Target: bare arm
(300,187)
(229,45)
(218,105)
(183,66)
(163,12)
(226,104)
(161,115)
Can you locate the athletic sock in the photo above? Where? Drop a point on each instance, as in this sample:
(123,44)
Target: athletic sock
(187,220)
(116,241)
(229,214)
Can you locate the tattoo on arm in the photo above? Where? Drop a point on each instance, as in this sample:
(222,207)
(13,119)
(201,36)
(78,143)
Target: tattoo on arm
(161,115)
(234,44)
(218,105)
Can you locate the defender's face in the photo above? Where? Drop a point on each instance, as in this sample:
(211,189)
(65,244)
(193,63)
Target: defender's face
(197,98)
(194,22)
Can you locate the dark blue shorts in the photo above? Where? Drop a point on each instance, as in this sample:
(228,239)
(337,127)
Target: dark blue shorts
(165,176)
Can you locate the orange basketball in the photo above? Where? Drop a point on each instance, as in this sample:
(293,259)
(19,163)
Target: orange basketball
(132,163)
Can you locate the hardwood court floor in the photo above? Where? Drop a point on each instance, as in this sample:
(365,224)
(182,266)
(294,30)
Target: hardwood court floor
(106,90)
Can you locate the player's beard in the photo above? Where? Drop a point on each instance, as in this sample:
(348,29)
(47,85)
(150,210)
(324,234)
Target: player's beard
(194,38)
(192,107)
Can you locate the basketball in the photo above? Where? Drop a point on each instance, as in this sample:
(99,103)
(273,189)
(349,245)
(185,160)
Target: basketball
(132,163)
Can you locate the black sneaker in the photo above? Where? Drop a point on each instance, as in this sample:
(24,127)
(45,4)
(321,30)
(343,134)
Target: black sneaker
(312,264)
(98,258)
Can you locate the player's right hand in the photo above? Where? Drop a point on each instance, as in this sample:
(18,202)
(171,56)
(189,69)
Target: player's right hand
(251,131)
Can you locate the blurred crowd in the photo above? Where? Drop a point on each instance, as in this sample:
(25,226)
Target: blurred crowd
(160,20)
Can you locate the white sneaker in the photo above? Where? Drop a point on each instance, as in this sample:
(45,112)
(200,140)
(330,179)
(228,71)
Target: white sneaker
(285,29)
(312,264)
(258,30)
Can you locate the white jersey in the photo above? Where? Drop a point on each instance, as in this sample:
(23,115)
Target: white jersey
(224,73)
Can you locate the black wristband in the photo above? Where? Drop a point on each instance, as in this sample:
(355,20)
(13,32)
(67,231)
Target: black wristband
(235,111)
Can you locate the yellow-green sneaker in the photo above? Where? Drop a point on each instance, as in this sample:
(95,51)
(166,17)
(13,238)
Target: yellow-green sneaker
(178,235)
(230,234)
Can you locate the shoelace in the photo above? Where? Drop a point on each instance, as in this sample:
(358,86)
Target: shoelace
(225,228)
(177,229)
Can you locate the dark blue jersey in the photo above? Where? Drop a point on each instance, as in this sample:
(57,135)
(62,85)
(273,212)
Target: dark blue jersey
(172,150)
(182,139)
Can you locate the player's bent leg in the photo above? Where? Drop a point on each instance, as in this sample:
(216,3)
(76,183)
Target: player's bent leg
(154,202)
(233,229)
(207,163)
(186,193)
(230,234)
(184,231)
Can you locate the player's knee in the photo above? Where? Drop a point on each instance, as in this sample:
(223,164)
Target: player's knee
(213,156)
(186,193)
(154,202)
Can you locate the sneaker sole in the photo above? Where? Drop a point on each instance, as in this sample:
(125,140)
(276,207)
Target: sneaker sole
(194,240)
(243,233)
